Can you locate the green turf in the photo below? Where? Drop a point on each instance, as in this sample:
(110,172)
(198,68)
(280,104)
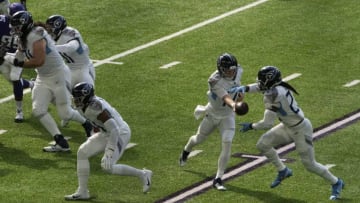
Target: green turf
(319,39)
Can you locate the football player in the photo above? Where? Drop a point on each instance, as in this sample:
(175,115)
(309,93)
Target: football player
(11,73)
(112,138)
(37,51)
(219,113)
(74,51)
(294,127)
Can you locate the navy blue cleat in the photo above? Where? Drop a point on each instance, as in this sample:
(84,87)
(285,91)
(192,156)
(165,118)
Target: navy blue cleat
(336,189)
(281,176)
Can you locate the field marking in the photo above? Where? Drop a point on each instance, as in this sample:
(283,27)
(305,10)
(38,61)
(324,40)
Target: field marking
(11,97)
(194,153)
(110,62)
(292,76)
(2,131)
(168,37)
(352,83)
(130,145)
(242,169)
(181,32)
(169,65)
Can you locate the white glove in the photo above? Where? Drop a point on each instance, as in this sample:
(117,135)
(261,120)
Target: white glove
(106,161)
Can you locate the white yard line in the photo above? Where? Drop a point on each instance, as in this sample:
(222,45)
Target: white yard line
(168,37)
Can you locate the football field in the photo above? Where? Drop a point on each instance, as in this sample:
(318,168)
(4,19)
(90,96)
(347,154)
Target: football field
(153,59)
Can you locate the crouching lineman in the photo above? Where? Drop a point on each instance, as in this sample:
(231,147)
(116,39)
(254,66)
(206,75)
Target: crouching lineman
(37,51)
(112,138)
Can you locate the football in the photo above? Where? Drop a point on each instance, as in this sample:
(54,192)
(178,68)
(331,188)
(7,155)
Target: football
(241,108)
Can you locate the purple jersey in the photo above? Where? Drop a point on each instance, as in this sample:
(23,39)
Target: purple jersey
(5,35)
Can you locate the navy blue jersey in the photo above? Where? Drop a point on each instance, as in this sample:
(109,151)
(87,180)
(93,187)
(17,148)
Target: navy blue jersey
(5,35)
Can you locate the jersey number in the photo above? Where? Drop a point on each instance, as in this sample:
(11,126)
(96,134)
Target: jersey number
(291,101)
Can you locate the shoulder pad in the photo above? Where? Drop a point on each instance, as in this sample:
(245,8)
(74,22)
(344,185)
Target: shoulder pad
(95,105)
(70,32)
(271,94)
(214,78)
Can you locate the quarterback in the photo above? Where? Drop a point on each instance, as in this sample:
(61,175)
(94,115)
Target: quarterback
(219,113)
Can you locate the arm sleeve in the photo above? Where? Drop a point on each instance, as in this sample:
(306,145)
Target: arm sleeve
(113,131)
(71,46)
(253,88)
(267,122)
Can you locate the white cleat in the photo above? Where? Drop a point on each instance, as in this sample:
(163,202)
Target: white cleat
(147,175)
(55,148)
(78,196)
(19,118)
(218,184)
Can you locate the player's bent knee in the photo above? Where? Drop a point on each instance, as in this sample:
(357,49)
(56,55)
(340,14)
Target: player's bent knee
(262,147)
(110,171)
(38,113)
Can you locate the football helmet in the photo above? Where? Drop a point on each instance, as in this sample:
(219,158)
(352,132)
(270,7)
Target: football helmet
(268,77)
(57,24)
(227,65)
(15,7)
(82,93)
(21,23)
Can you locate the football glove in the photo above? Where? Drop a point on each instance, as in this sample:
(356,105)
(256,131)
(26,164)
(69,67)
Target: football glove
(245,127)
(18,63)
(107,161)
(240,89)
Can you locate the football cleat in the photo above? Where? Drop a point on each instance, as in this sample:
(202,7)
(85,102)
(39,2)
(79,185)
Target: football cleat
(147,175)
(183,158)
(19,118)
(281,176)
(218,184)
(78,196)
(55,148)
(336,189)
(61,145)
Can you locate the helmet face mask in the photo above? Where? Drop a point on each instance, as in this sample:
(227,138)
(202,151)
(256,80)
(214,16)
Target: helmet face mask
(82,93)
(268,77)
(56,25)
(227,65)
(21,23)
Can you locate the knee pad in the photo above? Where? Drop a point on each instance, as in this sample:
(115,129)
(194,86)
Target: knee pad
(66,113)
(82,153)
(262,147)
(228,135)
(38,112)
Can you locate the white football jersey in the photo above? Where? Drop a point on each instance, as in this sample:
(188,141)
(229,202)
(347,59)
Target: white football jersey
(218,88)
(53,63)
(282,99)
(74,56)
(98,105)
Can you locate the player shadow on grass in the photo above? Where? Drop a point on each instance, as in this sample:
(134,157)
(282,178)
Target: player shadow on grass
(21,158)
(261,195)
(77,135)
